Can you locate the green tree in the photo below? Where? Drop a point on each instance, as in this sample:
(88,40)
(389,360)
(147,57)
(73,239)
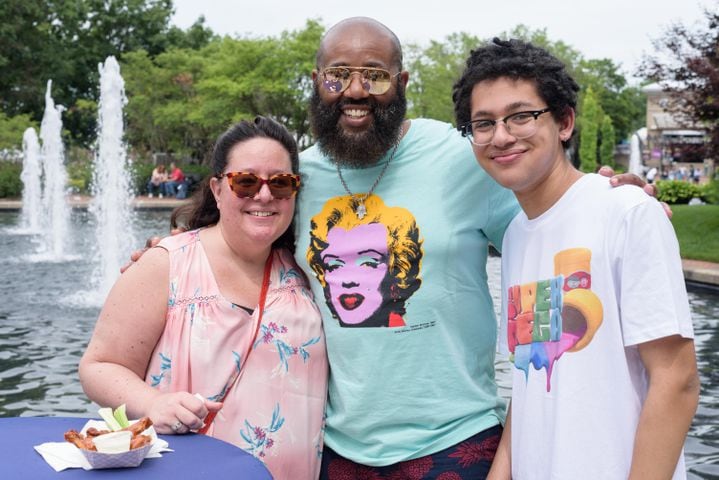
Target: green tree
(180,100)
(163,100)
(194,38)
(625,105)
(607,142)
(10,183)
(12,130)
(589,118)
(64,41)
(27,54)
(296,60)
(268,76)
(434,70)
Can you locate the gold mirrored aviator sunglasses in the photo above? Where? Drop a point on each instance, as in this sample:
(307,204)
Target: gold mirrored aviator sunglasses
(247,185)
(376,81)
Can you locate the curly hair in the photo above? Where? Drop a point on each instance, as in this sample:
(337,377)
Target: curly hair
(202,211)
(517,60)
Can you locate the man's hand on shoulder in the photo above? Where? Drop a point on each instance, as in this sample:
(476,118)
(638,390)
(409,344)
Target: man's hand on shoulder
(135,256)
(151,242)
(632,179)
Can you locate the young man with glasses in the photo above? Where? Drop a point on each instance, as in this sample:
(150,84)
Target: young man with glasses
(595,315)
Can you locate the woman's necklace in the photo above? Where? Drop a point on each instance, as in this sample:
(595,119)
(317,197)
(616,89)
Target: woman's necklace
(360,209)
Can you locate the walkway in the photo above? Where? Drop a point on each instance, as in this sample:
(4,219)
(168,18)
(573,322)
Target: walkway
(82,201)
(697,271)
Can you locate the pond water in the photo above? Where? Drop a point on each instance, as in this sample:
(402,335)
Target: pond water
(48,310)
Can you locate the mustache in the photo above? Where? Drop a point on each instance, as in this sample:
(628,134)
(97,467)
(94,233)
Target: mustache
(370,102)
(356,149)
(337,108)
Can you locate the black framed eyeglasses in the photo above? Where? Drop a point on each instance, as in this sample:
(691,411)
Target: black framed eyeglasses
(376,81)
(519,124)
(247,185)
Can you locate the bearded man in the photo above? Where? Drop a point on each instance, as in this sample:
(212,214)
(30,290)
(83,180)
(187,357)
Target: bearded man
(420,395)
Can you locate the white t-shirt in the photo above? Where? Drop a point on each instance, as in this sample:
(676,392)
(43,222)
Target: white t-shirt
(572,326)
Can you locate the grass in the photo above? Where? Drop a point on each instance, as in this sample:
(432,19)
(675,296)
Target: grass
(697,228)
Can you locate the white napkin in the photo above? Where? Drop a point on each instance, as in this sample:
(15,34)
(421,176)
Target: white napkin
(62,455)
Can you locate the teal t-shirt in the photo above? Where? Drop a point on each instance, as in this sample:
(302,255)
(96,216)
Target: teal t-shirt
(408,318)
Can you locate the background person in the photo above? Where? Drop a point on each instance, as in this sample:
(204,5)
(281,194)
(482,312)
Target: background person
(222,310)
(175,185)
(156,183)
(605,381)
(651,174)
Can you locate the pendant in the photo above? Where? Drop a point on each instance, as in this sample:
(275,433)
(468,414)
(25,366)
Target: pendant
(361,210)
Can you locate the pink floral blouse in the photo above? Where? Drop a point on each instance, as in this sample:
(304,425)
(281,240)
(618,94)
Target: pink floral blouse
(275,411)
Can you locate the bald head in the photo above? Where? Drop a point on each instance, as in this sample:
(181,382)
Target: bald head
(360,27)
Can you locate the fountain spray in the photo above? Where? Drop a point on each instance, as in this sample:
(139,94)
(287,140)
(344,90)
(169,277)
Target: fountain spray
(52,154)
(31,176)
(112,202)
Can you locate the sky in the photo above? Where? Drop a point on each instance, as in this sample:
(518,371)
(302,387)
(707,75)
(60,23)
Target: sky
(621,30)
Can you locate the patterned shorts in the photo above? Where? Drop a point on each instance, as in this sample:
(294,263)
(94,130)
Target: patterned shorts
(469,459)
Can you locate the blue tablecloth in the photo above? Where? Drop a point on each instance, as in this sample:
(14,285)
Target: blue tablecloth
(194,456)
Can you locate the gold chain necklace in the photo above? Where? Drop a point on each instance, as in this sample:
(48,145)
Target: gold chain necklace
(360,209)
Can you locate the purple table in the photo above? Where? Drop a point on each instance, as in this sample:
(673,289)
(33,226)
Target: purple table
(194,456)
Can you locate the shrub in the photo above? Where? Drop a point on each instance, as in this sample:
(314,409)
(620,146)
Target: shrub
(140,172)
(710,192)
(676,191)
(12,130)
(10,183)
(201,170)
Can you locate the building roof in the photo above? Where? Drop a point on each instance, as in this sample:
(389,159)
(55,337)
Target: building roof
(669,121)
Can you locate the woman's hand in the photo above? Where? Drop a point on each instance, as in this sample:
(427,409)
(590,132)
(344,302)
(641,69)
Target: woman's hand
(180,412)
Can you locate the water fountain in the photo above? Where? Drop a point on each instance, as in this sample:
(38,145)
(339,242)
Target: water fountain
(112,196)
(57,213)
(636,166)
(31,176)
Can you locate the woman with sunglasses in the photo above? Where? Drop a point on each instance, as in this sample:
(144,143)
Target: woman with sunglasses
(215,330)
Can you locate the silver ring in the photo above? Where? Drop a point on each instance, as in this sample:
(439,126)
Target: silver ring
(176,426)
